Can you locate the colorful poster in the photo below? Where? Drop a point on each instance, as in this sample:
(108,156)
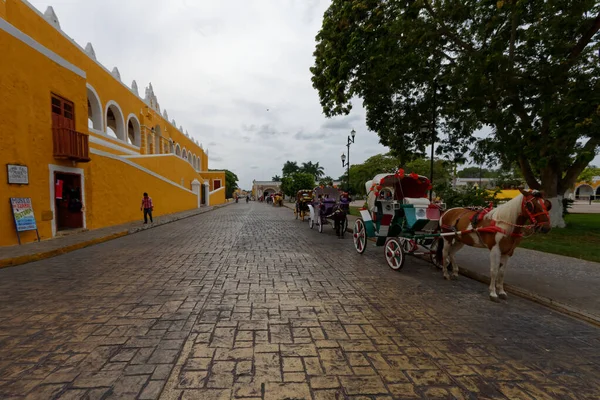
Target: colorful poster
(23,214)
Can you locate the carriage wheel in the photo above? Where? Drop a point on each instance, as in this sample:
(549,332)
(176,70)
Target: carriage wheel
(394,254)
(433,248)
(320,223)
(344,224)
(360,236)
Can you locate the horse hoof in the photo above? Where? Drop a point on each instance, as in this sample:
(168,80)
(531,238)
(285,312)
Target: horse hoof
(446,277)
(503,296)
(454,277)
(494,299)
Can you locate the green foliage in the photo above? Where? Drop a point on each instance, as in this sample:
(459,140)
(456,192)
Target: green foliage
(289,168)
(326,181)
(314,169)
(466,196)
(508,180)
(476,172)
(276,178)
(422,166)
(588,174)
(527,69)
(297,181)
(231,180)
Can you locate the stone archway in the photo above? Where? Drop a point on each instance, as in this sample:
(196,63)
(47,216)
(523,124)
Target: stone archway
(583,192)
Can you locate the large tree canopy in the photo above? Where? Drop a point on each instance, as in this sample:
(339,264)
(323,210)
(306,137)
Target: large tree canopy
(528,69)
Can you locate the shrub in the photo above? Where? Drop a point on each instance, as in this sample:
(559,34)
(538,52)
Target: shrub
(468,196)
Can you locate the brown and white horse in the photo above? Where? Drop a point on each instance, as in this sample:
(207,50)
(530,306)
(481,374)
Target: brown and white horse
(499,229)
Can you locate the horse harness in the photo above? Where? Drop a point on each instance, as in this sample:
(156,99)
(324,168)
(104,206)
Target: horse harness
(493,228)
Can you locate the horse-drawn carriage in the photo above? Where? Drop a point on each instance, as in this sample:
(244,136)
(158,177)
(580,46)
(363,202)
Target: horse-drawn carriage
(402,219)
(278,199)
(328,208)
(303,199)
(399,216)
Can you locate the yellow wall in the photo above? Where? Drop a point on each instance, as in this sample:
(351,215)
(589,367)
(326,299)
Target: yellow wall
(217,197)
(25,127)
(171,167)
(108,88)
(211,176)
(113,188)
(117,200)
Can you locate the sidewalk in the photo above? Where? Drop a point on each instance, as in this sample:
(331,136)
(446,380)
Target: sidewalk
(567,284)
(16,255)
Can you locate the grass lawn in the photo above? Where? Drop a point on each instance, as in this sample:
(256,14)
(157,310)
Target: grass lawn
(355,211)
(580,239)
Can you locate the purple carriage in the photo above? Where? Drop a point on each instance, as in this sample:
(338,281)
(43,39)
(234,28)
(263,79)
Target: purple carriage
(328,204)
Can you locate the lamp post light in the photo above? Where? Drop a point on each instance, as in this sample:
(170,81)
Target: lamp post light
(344,164)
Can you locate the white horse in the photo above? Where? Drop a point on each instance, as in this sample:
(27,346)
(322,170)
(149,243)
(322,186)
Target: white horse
(500,230)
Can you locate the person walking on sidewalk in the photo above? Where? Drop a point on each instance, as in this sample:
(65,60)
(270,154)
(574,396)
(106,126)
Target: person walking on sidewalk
(147,206)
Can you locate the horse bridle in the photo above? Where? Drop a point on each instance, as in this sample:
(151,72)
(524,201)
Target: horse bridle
(530,199)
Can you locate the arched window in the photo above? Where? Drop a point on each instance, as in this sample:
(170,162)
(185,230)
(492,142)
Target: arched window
(184,154)
(94,109)
(584,192)
(199,164)
(134,135)
(115,125)
(177,150)
(191,159)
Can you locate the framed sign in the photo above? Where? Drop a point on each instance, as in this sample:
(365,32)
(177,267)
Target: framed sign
(17,174)
(23,216)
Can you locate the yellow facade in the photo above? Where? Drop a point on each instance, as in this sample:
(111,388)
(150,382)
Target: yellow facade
(39,62)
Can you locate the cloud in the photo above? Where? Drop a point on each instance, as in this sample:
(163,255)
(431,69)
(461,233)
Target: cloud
(236,78)
(347,122)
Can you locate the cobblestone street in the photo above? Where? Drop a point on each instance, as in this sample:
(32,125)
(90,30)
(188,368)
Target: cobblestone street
(247,302)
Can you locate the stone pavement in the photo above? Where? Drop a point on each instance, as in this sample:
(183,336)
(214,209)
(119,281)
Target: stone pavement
(566,283)
(20,254)
(247,302)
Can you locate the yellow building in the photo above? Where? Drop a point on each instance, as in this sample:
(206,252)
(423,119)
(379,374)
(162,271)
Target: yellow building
(81,144)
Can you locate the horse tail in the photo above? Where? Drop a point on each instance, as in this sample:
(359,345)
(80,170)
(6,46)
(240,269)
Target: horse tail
(439,254)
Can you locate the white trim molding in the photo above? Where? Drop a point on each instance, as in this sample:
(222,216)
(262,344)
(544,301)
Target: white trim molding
(29,41)
(121,131)
(137,166)
(69,170)
(103,142)
(216,190)
(96,108)
(137,134)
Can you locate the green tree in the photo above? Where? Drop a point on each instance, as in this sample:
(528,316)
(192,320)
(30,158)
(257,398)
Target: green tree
(442,172)
(326,181)
(276,178)
(297,181)
(287,186)
(527,69)
(588,174)
(289,168)
(314,169)
(231,180)
(476,172)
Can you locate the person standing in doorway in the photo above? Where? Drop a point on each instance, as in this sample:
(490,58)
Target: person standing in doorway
(147,206)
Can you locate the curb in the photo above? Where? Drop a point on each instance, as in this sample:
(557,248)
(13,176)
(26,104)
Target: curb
(13,262)
(20,260)
(545,301)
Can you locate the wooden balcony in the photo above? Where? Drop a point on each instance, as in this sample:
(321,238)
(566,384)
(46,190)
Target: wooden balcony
(70,144)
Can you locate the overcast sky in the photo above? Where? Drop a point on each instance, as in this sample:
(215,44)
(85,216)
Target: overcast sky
(234,73)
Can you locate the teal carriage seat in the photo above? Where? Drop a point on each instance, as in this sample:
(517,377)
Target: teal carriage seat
(420,214)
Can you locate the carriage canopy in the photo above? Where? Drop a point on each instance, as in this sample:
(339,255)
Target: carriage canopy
(328,191)
(397,186)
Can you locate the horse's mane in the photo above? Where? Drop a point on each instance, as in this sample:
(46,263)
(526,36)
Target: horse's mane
(507,212)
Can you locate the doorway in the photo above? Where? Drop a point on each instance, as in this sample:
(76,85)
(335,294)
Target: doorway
(68,201)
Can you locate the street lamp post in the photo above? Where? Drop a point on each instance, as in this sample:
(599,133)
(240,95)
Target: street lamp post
(344,164)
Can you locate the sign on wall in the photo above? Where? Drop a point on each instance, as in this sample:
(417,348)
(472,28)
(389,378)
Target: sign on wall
(23,216)
(18,174)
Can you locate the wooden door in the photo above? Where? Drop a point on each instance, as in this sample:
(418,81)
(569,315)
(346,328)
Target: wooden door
(69,214)
(63,113)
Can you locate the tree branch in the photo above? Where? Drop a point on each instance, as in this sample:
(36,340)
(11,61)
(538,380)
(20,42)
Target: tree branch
(446,31)
(579,164)
(584,41)
(528,173)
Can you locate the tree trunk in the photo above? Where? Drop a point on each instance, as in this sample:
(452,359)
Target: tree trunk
(550,186)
